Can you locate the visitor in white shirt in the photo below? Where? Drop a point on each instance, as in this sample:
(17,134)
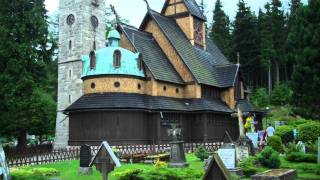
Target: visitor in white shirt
(270,131)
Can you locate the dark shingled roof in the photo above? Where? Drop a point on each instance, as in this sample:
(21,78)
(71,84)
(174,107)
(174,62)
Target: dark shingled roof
(194,9)
(218,57)
(208,67)
(108,101)
(184,48)
(153,56)
(245,106)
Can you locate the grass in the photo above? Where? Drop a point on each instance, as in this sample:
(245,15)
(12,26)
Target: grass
(68,170)
(306,171)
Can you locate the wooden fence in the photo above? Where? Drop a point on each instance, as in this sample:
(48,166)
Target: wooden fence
(72,153)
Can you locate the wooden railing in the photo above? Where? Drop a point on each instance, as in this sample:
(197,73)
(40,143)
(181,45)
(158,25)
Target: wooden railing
(34,157)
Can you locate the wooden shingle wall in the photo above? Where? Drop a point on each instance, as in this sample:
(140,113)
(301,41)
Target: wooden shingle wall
(228,97)
(169,51)
(125,43)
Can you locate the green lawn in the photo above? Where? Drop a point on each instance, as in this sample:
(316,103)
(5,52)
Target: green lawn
(69,169)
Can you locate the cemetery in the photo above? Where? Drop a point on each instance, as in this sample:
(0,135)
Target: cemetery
(87,95)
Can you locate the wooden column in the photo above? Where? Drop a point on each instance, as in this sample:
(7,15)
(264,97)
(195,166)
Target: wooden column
(158,127)
(204,119)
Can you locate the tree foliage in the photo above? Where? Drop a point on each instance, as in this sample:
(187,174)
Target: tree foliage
(304,39)
(220,31)
(26,51)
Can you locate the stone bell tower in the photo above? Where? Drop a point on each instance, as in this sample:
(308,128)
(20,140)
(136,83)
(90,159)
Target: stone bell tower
(81,29)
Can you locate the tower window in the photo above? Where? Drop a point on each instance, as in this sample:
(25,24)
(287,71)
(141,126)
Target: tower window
(70,19)
(117,59)
(139,62)
(70,73)
(70,44)
(164,88)
(177,90)
(139,86)
(69,99)
(92,60)
(94,45)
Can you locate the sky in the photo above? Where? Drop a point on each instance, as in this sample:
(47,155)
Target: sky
(135,10)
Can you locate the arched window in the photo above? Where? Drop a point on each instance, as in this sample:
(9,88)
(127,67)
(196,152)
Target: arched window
(117,59)
(139,62)
(92,60)
(70,44)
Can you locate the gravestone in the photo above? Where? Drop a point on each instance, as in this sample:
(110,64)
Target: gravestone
(85,159)
(177,155)
(105,160)
(242,153)
(228,157)
(217,170)
(4,170)
(254,138)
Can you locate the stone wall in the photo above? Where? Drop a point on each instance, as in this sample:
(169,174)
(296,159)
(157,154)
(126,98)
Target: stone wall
(75,40)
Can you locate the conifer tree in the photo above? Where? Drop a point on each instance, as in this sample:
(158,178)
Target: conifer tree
(220,31)
(24,56)
(245,41)
(279,36)
(304,38)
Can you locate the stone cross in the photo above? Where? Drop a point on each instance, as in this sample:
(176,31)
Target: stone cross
(175,132)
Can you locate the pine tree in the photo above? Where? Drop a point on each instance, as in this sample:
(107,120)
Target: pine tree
(245,41)
(304,38)
(24,56)
(279,36)
(267,50)
(220,31)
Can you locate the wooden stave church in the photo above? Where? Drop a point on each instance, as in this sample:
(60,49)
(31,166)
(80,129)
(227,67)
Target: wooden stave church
(187,81)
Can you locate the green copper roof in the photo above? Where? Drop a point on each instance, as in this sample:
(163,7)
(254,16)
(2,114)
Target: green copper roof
(104,63)
(114,34)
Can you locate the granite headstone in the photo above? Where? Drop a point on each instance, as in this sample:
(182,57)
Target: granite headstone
(4,169)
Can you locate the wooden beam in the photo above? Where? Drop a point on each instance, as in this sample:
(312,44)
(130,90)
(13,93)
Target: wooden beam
(204,119)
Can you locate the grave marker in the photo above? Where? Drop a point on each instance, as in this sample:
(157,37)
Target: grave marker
(228,157)
(4,170)
(85,159)
(217,170)
(105,160)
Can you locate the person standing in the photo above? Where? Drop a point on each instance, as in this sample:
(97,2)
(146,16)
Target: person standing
(270,131)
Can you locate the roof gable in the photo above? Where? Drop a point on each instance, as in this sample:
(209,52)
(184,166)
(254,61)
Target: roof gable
(191,6)
(153,56)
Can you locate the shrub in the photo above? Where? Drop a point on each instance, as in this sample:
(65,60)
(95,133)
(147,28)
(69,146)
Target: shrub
(309,132)
(33,173)
(248,166)
(281,94)
(260,97)
(269,158)
(301,157)
(132,174)
(312,147)
(285,133)
(275,143)
(201,153)
(293,147)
